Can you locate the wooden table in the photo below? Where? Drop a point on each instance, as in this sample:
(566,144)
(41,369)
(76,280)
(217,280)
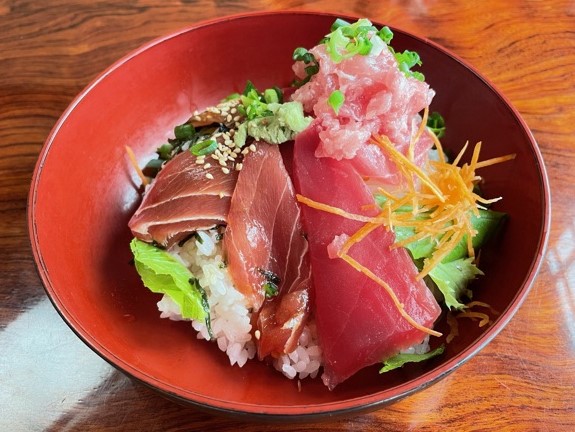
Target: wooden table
(50,50)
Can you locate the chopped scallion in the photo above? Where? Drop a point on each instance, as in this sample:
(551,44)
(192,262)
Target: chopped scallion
(270,289)
(271,96)
(336,100)
(311,65)
(204,147)
(436,123)
(185,131)
(165,151)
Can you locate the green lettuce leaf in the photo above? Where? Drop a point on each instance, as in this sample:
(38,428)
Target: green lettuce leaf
(419,249)
(399,360)
(162,273)
(486,224)
(452,278)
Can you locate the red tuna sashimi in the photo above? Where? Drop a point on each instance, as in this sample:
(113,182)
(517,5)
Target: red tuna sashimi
(181,200)
(264,240)
(357,321)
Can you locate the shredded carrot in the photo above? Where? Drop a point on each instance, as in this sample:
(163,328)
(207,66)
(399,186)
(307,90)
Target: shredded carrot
(337,211)
(358,236)
(401,161)
(372,206)
(496,160)
(460,154)
(483,317)
(390,292)
(445,196)
(134,163)
(438,145)
(453,327)
(416,137)
(481,304)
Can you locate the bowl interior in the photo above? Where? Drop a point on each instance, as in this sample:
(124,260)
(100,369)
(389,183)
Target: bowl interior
(84,192)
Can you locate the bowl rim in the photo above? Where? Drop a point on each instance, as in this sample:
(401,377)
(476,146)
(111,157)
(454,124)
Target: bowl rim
(282,412)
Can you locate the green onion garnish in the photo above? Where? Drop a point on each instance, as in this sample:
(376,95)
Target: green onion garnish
(406,60)
(185,131)
(436,123)
(165,151)
(270,289)
(271,96)
(204,147)
(385,34)
(312,66)
(336,100)
(347,40)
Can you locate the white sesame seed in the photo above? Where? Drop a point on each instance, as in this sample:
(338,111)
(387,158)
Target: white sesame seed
(221,194)
(223,163)
(252,147)
(199,161)
(239,166)
(209,176)
(225,170)
(214,156)
(228,142)
(229,118)
(233,110)
(237,118)
(257,334)
(237,150)
(206,166)
(245,151)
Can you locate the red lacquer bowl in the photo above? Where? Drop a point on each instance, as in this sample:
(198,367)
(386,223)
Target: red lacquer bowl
(84,191)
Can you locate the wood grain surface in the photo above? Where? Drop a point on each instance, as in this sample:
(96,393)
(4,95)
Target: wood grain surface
(50,50)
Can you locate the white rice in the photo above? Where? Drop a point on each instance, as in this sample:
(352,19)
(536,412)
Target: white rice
(305,360)
(230,317)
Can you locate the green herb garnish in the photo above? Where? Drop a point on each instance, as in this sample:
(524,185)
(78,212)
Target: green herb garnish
(336,100)
(347,40)
(436,123)
(185,131)
(312,66)
(270,289)
(406,60)
(204,147)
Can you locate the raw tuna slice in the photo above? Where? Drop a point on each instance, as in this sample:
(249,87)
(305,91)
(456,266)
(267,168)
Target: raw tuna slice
(357,322)
(264,244)
(181,200)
